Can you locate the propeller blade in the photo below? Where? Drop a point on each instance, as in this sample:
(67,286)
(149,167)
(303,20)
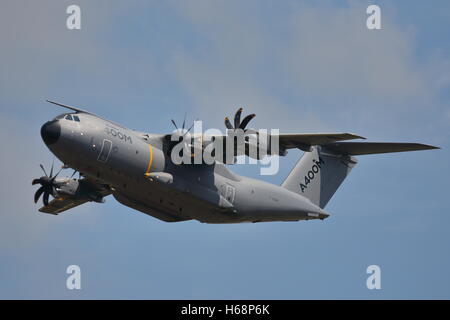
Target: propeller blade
(174,123)
(189,129)
(51,169)
(237,118)
(184,121)
(46,194)
(42,167)
(48,186)
(53,179)
(38,194)
(228,123)
(246,121)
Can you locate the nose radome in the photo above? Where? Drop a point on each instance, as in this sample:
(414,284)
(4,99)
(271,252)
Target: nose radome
(51,131)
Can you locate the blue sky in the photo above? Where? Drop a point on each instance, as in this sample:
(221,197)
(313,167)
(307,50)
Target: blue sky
(301,66)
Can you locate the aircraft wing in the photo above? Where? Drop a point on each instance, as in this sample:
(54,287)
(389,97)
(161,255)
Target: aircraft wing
(304,140)
(63,203)
(59,205)
(361,148)
(294,140)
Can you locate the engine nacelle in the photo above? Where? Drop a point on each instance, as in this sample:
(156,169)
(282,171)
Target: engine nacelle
(77,188)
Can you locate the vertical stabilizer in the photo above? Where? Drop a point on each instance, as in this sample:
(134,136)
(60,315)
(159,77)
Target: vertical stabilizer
(318,174)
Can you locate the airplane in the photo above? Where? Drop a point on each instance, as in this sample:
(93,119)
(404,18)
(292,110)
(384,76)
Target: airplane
(136,168)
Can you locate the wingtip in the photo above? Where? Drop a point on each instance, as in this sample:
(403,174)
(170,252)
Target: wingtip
(355,136)
(422,146)
(429,147)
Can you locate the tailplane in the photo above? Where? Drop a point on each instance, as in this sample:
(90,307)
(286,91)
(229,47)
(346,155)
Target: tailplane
(320,172)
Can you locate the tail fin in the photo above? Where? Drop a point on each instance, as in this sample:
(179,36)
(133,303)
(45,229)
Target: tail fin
(320,172)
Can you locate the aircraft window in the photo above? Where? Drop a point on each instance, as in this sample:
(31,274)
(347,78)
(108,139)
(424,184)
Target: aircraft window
(76,118)
(69,117)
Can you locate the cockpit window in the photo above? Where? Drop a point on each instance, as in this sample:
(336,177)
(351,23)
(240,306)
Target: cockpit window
(68,117)
(76,118)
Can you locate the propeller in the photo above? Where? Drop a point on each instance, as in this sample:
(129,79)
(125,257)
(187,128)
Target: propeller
(182,132)
(182,129)
(48,186)
(237,120)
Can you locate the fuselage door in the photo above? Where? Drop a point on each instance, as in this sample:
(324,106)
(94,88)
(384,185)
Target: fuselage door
(228,192)
(105,151)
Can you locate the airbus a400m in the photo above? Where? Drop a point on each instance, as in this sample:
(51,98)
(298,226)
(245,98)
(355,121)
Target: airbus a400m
(136,168)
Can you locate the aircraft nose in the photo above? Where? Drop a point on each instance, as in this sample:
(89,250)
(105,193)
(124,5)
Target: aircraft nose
(51,131)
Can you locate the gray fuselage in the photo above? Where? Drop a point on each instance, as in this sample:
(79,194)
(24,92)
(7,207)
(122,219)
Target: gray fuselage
(121,158)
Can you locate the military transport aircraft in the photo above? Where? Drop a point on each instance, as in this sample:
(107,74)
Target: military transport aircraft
(136,168)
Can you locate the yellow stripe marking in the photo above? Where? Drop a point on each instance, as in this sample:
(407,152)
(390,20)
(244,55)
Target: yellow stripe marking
(150,160)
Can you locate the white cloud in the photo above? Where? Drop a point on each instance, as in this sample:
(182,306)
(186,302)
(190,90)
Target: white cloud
(333,52)
(313,67)
(40,54)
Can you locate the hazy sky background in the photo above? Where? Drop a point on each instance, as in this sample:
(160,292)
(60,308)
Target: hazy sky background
(301,66)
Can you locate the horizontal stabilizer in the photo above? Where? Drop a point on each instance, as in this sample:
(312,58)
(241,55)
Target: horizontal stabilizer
(361,148)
